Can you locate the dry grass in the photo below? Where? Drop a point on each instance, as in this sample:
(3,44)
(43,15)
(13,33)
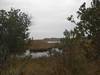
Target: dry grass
(41,44)
(42,66)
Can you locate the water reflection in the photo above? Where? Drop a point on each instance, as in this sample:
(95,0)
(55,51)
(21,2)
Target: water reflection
(53,51)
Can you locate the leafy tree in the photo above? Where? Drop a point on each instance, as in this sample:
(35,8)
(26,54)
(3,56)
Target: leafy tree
(89,24)
(13,29)
(87,28)
(17,27)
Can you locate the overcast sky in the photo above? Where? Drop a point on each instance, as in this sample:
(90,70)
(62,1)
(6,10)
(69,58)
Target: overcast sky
(48,16)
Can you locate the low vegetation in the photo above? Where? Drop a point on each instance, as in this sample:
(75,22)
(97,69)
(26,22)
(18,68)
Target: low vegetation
(27,66)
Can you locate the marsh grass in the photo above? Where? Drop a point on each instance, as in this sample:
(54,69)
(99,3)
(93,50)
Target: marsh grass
(40,66)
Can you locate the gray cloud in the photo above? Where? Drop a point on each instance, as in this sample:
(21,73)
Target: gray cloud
(48,15)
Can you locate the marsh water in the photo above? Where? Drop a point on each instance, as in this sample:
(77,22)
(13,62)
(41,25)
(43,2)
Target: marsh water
(47,53)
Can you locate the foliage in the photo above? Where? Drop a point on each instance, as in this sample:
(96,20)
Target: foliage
(74,57)
(88,26)
(13,29)
(89,20)
(84,40)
